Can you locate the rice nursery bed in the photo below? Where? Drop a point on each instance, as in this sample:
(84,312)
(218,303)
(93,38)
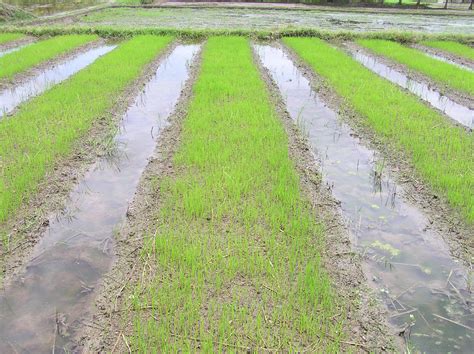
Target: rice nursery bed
(227,243)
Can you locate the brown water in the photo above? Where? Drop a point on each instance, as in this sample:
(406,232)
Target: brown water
(458,112)
(409,264)
(41,309)
(44,80)
(49,7)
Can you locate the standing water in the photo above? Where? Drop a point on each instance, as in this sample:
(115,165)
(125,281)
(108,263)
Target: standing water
(426,291)
(11,50)
(41,309)
(458,112)
(11,98)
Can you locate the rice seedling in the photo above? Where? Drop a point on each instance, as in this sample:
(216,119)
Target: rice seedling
(236,256)
(8,37)
(34,54)
(440,152)
(455,48)
(46,128)
(446,74)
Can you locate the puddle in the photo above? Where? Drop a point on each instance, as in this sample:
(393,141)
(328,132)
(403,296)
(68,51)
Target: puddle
(11,98)
(41,310)
(459,113)
(408,264)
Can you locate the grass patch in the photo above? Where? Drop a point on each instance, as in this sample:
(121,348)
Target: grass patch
(8,37)
(45,128)
(444,73)
(455,48)
(440,152)
(36,53)
(237,250)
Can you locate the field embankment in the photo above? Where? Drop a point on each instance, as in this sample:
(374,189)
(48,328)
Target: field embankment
(439,151)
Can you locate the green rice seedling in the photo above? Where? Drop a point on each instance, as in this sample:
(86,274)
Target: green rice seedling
(46,128)
(236,256)
(446,74)
(455,48)
(34,54)
(8,37)
(443,154)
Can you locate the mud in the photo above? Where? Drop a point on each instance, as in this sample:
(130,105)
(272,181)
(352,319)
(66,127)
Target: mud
(272,19)
(448,57)
(110,325)
(407,260)
(44,80)
(457,112)
(460,98)
(76,250)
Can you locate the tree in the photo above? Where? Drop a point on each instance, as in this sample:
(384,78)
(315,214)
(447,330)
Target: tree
(446,5)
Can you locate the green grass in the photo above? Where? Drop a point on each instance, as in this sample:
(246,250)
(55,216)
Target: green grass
(236,256)
(440,152)
(455,48)
(45,128)
(444,73)
(37,53)
(8,37)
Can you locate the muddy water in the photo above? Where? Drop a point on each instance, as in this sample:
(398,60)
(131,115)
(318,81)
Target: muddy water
(11,98)
(459,113)
(409,264)
(44,305)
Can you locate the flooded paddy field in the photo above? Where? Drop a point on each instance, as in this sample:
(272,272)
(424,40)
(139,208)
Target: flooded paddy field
(227,194)
(262,19)
(49,7)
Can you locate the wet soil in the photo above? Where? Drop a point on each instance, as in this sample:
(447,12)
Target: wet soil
(436,236)
(463,62)
(365,321)
(75,251)
(32,220)
(11,98)
(16,44)
(461,98)
(23,77)
(110,325)
(459,114)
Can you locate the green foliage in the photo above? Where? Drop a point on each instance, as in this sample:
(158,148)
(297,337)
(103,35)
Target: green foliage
(8,37)
(36,53)
(46,127)
(237,250)
(440,152)
(455,48)
(442,72)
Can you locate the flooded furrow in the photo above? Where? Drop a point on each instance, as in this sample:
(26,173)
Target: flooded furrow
(11,50)
(426,291)
(12,97)
(446,60)
(455,111)
(41,309)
